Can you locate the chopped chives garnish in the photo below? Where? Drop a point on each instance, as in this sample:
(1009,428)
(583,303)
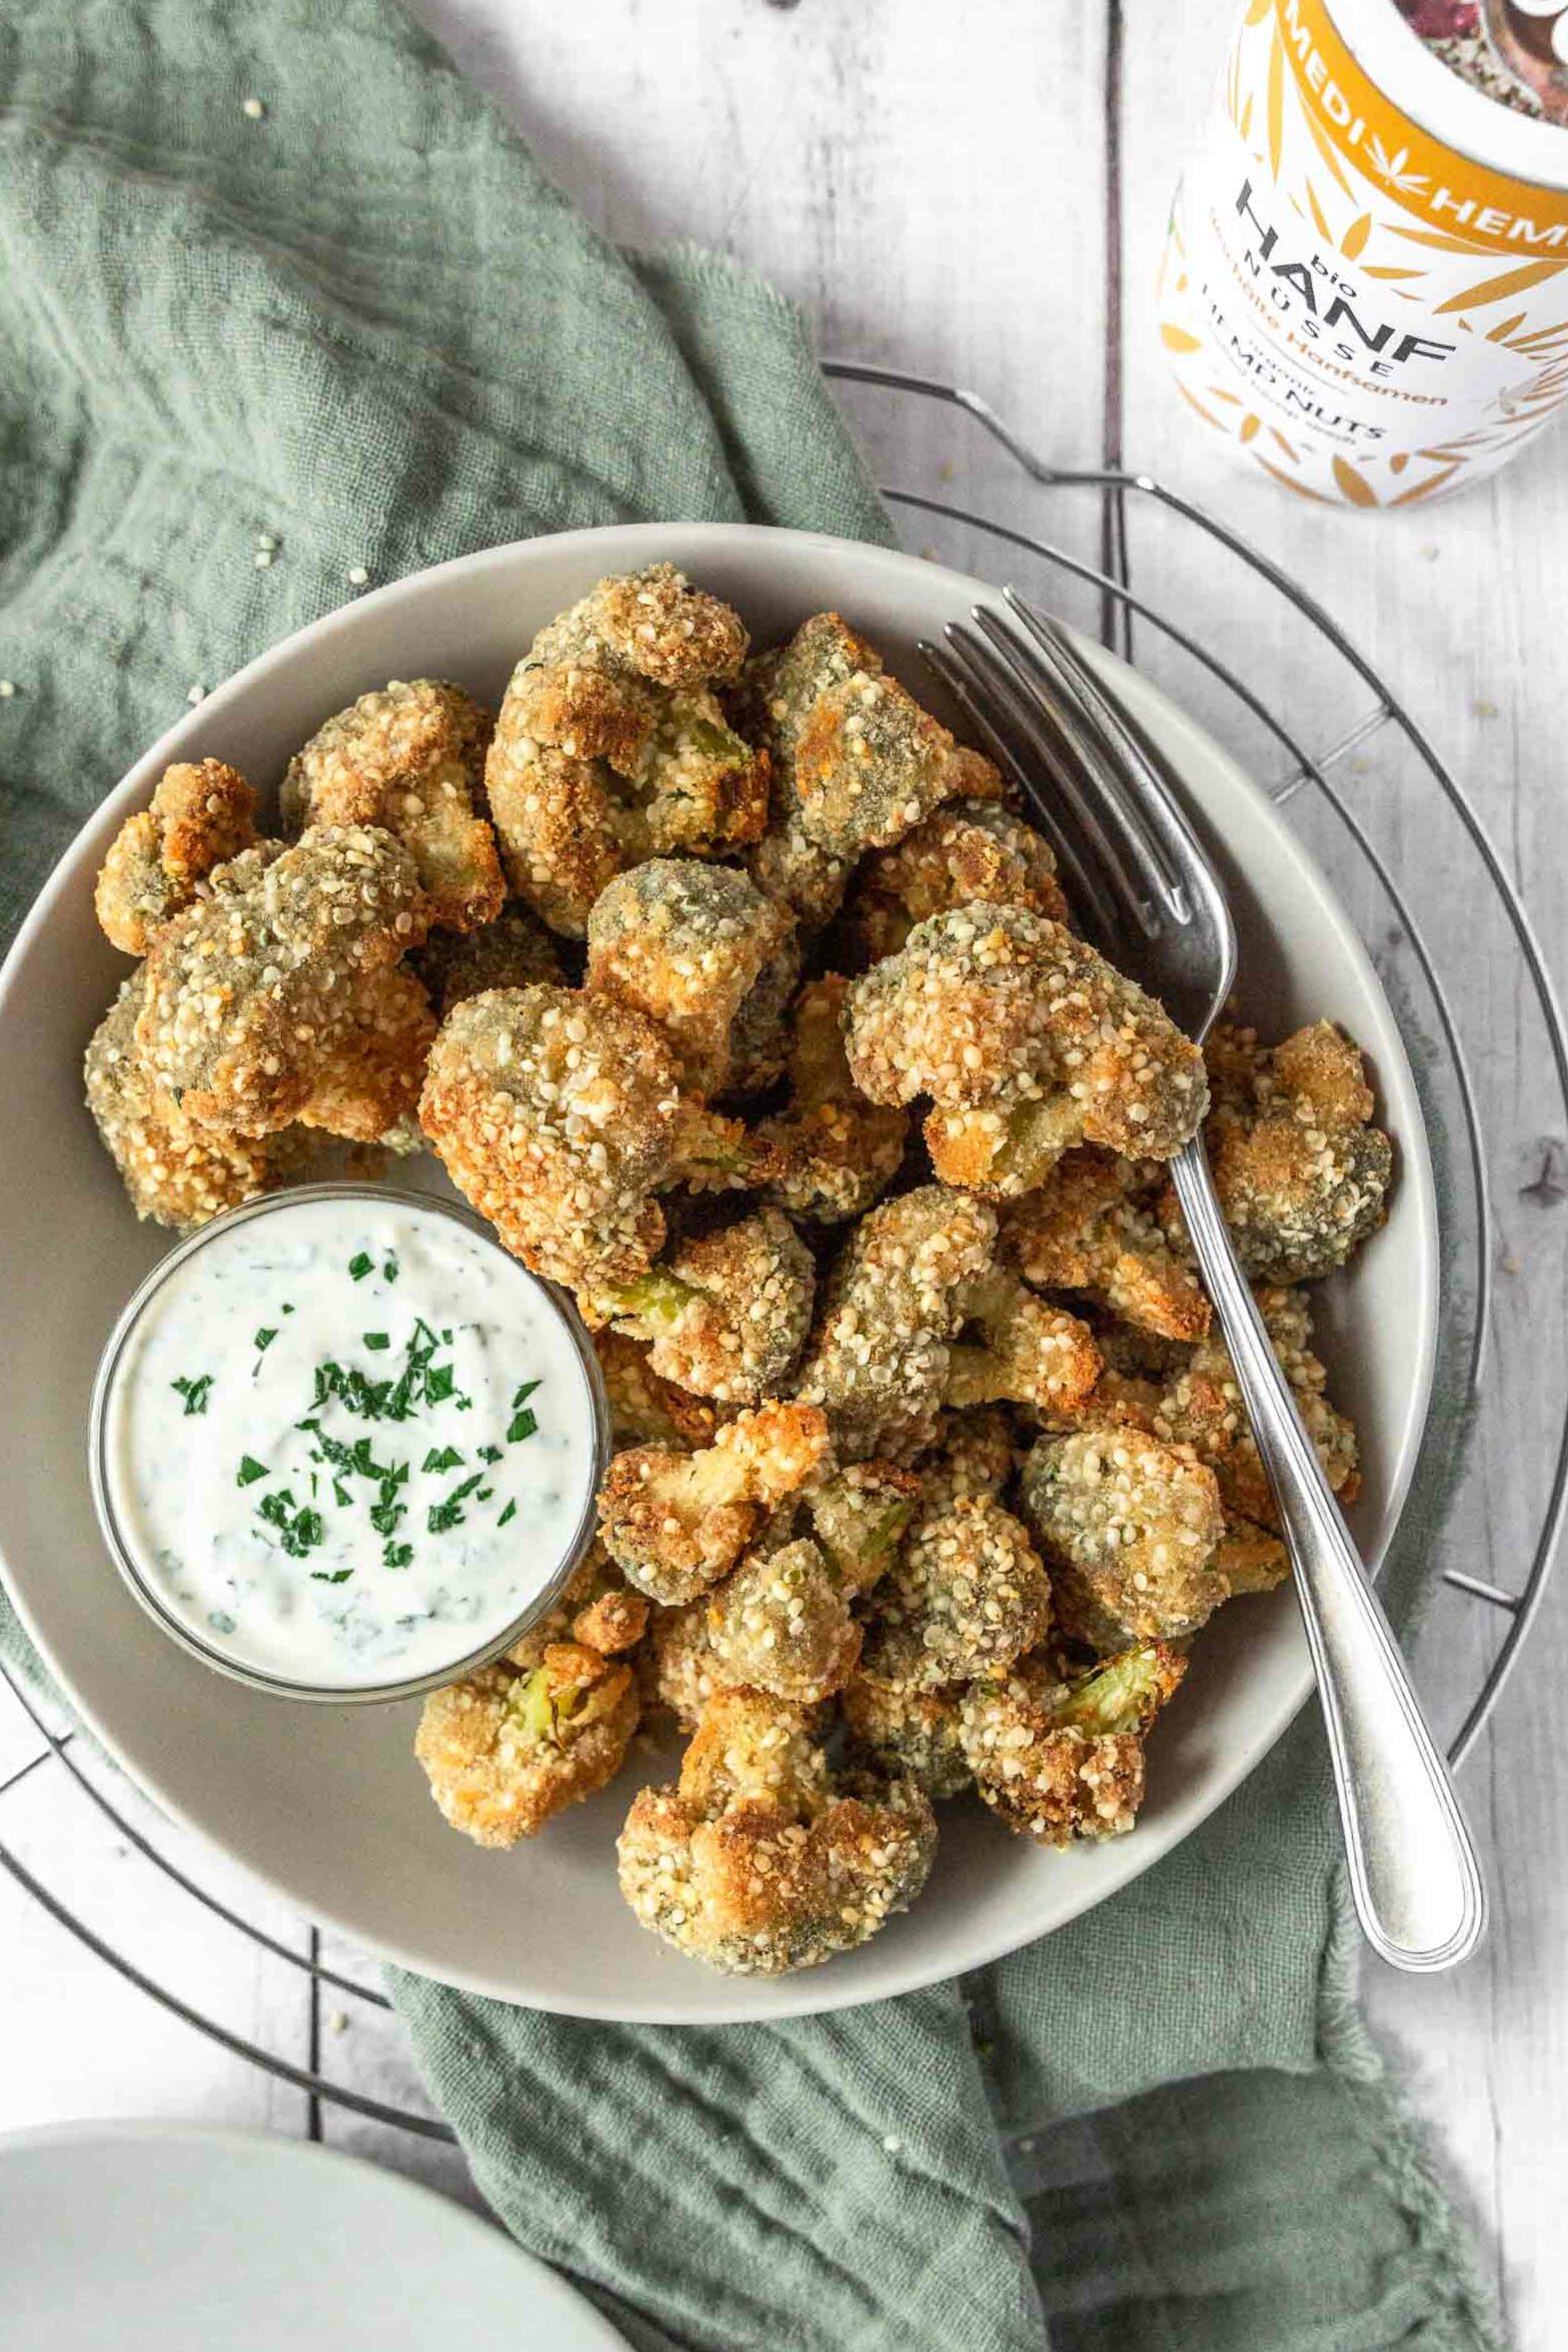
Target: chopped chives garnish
(390,1271)
(447,1458)
(375,1339)
(361,1265)
(331,1575)
(397,1555)
(509,1514)
(489,1453)
(264,1339)
(195,1393)
(523,1425)
(449,1514)
(250,1470)
(523,1394)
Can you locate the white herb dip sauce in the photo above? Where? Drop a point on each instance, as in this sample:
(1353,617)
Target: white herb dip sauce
(348,1441)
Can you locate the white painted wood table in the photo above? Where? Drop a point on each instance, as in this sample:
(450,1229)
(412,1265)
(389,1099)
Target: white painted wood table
(978,193)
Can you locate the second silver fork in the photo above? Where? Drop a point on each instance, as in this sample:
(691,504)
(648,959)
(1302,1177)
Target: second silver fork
(1148,896)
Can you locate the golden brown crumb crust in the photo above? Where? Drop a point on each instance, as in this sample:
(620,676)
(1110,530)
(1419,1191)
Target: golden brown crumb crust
(408,757)
(203,813)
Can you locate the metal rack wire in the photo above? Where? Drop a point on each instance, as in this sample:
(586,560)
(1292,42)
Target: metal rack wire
(1134,623)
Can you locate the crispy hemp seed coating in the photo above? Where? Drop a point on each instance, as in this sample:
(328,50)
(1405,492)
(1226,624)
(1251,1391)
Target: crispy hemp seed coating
(1083,1229)
(411,759)
(915,1733)
(555,1113)
(643,1409)
(597,1610)
(858,1517)
(1301,1173)
(506,1749)
(973,1456)
(508,953)
(612,747)
(968,851)
(685,944)
(761,1039)
(754,1862)
(727,1314)
(871,765)
(176,1174)
(1201,1407)
(1062,1760)
(277,998)
(776,696)
(966,1597)
(835,1153)
(677,1663)
(781,1622)
(202,813)
(879,1359)
(674,1523)
(1027,1042)
(1128,1529)
(1017,1348)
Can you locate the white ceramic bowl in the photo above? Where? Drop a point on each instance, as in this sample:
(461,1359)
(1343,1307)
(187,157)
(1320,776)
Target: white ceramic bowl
(328,1806)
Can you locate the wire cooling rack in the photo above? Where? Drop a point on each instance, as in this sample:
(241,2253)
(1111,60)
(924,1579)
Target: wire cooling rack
(1260,663)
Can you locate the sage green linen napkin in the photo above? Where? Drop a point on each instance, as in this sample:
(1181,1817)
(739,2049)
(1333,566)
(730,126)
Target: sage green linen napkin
(275,271)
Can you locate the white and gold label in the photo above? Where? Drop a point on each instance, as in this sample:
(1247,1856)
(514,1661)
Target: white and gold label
(1364,312)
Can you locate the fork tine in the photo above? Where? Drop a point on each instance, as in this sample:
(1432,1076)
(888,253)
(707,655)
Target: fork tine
(997,667)
(1088,890)
(1039,665)
(1143,789)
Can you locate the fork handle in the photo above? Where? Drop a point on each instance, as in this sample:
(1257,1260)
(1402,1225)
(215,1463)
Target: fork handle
(1414,1875)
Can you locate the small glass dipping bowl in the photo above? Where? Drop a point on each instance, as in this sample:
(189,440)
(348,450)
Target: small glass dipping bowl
(109,1409)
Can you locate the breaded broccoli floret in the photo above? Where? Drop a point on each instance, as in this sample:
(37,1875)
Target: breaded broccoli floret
(1018,1350)
(1129,1528)
(726,1315)
(858,1516)
(408,757)
(1302,1175)
(972,1458)
(611,748)
(968,851)
(754,1862)
(508,953)
(1027,1042)
(915,1733)
(596,1609)
(782,1622)
(505,1749)
(966,1597)
(759,1041)
(1201,1407)
(836,1151)
(276,998)
(556,1114)
(1083,1229)
(677,1663)
(776,696)
(646,1409)
(203,814)
(880,1356)
(675,1523)
(177,1174)
(1058,1761)
(685,944)
(870,764)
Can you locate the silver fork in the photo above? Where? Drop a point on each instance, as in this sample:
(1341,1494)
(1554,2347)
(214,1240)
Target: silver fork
(1147,894)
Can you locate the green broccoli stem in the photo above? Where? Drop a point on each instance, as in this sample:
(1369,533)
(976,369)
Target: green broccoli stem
(656,1301)
(1121,1694)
